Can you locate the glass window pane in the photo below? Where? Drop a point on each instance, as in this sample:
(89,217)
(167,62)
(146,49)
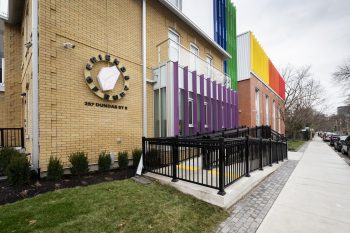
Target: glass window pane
(163,112)
(156,113)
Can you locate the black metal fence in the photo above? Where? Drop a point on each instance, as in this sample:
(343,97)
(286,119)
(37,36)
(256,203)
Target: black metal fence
(216,162)
(257,132)
(11,137)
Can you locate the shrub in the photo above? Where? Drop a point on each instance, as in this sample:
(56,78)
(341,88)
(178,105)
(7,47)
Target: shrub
(123,159)
(5,156)
(55,169)
(136,156)
(80,164)
(18,170)
(104,161)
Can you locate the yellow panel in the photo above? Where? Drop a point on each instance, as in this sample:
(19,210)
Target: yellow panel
(259,60)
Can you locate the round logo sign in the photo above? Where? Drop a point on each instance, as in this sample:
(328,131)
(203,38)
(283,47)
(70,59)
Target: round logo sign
(107,77)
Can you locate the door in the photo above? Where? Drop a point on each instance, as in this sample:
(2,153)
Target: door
(257,107)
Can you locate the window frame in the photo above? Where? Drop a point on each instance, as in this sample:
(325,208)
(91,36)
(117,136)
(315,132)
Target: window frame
(196,56)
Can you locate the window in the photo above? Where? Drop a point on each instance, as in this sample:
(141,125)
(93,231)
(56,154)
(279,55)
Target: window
(267,110)
(274,114)
(190,110)
(223,116)
(176,3)
(194,52)
(279,120)
(209,60)
(205,114)
(2,75)
(174,50)
(257,106)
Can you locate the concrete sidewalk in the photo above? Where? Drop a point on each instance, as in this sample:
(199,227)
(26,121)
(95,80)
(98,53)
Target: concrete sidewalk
(316,197)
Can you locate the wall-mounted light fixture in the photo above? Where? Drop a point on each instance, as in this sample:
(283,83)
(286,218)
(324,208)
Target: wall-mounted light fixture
(28,44)
(23,95)
(68,45)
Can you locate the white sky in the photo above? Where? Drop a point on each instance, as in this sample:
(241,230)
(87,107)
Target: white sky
(299,33)
(4,8)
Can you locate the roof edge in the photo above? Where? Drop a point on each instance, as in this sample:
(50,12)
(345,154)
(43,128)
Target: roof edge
(189,22)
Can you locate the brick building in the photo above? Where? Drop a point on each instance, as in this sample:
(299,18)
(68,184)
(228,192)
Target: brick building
(261,89)
(55,88)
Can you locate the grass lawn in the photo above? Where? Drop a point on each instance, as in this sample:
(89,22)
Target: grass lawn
(118,206)
(293,145)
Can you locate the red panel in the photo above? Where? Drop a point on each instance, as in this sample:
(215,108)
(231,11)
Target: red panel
(282,88)
(274,77)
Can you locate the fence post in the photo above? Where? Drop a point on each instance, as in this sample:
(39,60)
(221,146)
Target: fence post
(175,158)
(286,149)
(22,137)
(221,166)
(143,152)
(248,132)
(261,153)
(277,151)
(256,131)
(270,149)
(2,138)
(247,156)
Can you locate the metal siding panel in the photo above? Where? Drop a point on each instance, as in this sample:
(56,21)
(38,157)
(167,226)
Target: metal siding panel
(243,56)
(259,60)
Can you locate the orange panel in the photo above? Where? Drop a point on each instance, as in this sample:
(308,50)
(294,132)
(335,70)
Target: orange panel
(274,77)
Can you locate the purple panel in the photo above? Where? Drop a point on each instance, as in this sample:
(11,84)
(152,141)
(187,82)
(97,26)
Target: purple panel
(228,107)
(209,104)
(176,98)
(232,109)
(186,114)
(236,108)
(220,106)
(194,88)
(224,112)
(215,112)
(201,106)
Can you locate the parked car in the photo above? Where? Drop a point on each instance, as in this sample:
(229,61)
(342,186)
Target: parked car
(346,146)
(338,144)
(333,138)
(326,137)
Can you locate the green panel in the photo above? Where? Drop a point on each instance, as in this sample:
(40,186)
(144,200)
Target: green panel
(231,43)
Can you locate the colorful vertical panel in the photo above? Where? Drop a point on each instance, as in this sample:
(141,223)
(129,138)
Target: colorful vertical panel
(231,43)
(282,88)
(259,60)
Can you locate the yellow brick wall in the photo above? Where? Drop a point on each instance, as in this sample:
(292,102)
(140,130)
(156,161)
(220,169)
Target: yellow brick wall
(11,114)
(95,27)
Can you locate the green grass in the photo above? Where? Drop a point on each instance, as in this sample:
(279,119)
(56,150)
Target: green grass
(119,206)
(293,145)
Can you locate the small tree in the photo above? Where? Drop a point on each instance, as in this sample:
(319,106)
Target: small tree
(54,169)
(123,159)
(18,170)
(104,161)
(80,164)
(136,156)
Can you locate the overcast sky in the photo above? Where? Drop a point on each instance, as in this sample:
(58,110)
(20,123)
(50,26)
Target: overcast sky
(299,33)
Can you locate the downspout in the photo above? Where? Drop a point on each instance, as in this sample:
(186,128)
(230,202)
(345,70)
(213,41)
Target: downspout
(35,87)
(144,68)
(144,82)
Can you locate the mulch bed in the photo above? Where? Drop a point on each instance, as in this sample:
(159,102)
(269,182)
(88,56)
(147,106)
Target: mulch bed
(9,194)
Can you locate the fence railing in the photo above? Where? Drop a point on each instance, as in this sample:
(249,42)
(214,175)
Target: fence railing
(11,137)
(215,162)
(256,132)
